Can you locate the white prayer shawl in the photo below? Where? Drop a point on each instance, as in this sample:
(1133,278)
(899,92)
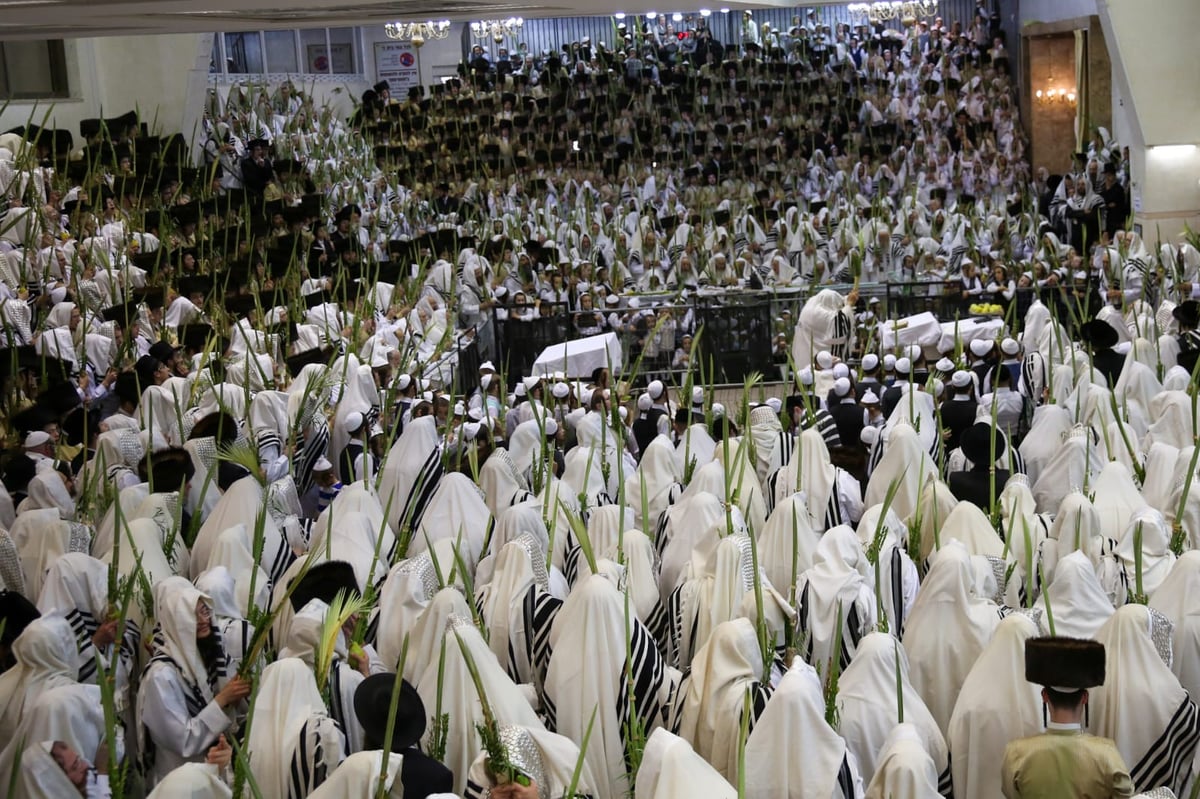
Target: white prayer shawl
(170,692)
(587,671)
(502,605)
(302,643)
(1141,706)
(40,776)
(411,472)
(867,709)
(1077,526)
(1076,598)
(193,781)
(425,635)
(605,525)
(460,698)
(997,705)
(515,521)
(968,525)
(1117,499)
(725,667)
(76,587)
(662,475)
(358,775)
(823,324)
(1156,555)
(502,485)
(809,471)
(233,553)
(42,537)
(905,767)
(143,539)
(456,512)
(1172,414)
(241,504)
(743,482)
(769,442)
(898,579)
(1191,503)
(948,627)
(106,533)
(545,756)
(287,705)
(1075,465)
(1160,476)
(691,528)
(671,769)
(697,445)
(46,658)
(906,460)
(817,764)
(713,595)
(787,536)
(838,585)
(353,537)
(1176,599)
(47,490)
(937,503)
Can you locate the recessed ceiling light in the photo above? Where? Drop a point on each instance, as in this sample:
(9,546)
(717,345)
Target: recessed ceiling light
(704,12)
(619,15)
(651,14)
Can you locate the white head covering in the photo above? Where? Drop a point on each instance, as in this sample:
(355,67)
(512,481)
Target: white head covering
(40,776)
(1076,598)
(728,664)
(671,769)
(1141,706)
(1157,557)
(287,698)
(868,709)
(46,658)
(817,764)
(996,705)
(905,768)
(947,629)
(1176,599)
(194,781)
(358,775)
(587,671)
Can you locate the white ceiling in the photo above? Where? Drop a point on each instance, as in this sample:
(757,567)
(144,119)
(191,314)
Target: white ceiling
(24,19)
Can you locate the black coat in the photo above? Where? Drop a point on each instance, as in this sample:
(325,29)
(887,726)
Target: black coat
(975,486)
(957,416)
(421,775)
(849,418)
(1109,364)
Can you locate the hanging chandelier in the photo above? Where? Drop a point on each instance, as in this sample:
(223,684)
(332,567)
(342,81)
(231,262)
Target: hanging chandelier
(497,29)
(884,11)
(417,32)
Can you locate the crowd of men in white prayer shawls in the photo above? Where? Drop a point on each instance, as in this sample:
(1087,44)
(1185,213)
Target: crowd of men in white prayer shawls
(243,497)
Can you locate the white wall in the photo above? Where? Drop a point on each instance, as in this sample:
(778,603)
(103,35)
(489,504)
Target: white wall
(114,75)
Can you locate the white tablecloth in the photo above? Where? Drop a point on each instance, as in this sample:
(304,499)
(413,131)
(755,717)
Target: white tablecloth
(581,356)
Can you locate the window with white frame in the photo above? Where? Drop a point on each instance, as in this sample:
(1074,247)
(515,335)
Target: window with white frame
(315,51)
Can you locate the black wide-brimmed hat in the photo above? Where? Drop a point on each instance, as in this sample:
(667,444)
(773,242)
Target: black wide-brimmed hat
(976,443)
(372,703)
(1187,314)
(1100,334)
(1064,664)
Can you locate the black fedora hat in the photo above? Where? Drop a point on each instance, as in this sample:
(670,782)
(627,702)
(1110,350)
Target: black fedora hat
(372,703)
(976,444)
(1100,334)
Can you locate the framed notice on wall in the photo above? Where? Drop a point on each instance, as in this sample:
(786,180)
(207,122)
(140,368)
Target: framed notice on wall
(320,57)
(396,62)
